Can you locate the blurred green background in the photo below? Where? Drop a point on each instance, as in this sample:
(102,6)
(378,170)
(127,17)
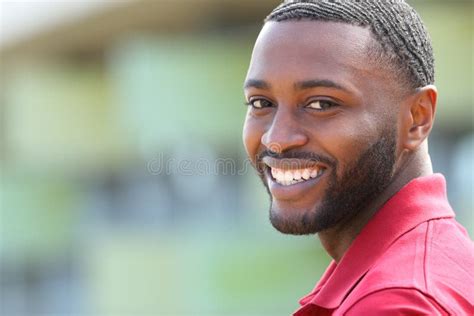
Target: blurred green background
(97,96)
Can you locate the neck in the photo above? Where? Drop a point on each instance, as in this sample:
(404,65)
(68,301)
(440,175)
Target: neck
(338,239)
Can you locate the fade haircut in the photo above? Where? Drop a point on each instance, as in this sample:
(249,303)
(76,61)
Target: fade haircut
(401,39)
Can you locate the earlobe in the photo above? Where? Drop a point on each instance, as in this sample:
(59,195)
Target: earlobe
(422,108)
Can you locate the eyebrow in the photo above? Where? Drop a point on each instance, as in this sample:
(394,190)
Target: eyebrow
(258,84)
(301,85)
(309,84)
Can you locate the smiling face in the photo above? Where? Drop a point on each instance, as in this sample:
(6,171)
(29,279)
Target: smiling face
(321,126)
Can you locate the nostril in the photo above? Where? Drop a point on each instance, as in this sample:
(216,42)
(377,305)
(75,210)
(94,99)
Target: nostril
(274,147)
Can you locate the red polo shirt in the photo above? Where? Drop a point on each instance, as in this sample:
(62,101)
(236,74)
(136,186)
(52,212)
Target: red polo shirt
(412,258)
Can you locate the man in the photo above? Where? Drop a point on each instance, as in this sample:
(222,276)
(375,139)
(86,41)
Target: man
(341,103)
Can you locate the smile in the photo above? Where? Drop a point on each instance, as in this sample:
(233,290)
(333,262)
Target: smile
(293,184)
(292,177)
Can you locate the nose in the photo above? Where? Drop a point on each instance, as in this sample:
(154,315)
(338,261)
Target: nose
(284,133)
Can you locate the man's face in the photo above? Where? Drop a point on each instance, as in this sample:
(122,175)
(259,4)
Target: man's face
(321,126)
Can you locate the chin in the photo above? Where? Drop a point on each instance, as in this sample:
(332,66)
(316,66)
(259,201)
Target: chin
(296,220)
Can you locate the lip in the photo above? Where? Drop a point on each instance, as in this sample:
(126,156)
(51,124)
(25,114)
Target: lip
(292,163)
(291,192)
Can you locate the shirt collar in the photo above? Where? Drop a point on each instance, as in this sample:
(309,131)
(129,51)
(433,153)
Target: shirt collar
(420,200)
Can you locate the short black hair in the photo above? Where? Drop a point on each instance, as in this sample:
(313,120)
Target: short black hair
(402,37)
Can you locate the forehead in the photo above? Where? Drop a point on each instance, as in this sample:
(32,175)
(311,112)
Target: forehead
(295,50)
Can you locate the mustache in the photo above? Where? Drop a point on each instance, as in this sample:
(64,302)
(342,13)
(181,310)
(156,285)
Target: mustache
(310,156)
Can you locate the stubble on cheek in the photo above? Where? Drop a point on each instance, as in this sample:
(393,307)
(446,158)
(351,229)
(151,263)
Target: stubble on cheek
(345,195)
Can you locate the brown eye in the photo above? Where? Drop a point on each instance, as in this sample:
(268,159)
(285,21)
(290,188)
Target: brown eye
(321,105)
(260,103)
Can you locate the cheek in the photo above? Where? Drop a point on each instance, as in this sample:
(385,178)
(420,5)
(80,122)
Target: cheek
(252,134)
(343,138)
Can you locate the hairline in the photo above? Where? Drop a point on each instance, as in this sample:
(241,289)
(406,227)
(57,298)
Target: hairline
(377,53)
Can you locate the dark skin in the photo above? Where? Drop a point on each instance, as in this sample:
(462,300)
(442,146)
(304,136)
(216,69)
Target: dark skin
(312,88)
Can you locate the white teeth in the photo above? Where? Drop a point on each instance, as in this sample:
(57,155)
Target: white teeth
(280,174)
(306,174)
(290,177)
(297,175)
(274,173)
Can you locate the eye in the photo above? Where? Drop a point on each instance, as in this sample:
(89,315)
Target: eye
(260,103)
(321,105)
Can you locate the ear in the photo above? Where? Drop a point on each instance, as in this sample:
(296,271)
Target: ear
(419,116)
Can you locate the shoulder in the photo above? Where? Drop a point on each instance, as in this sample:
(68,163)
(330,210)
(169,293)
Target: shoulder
(448,265)
(419,259)
(395,301)
(414,269)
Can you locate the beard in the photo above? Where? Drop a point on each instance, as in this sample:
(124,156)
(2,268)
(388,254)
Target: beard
(345,196)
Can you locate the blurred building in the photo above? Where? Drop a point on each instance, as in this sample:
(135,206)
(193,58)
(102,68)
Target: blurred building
(124,185)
